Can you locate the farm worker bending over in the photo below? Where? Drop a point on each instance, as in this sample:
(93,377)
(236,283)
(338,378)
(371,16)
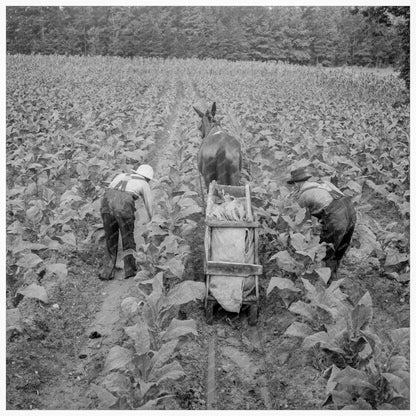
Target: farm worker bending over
(117,212)
(333,209)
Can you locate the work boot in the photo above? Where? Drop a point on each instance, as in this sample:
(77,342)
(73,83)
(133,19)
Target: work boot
(107,272)
(130,267)
(129,274)
(334,276)
(130,271)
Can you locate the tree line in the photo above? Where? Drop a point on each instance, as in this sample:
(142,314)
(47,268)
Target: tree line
(329,36)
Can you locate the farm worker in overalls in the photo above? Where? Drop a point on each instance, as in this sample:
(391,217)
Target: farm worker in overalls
(334,211)
(118,213)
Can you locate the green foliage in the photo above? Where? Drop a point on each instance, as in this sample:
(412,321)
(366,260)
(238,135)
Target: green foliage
(64,144)
(399,19)
(55,175)
(155,336)
(384,384)
(74,122)
(328,36)
(366,372)
(345,339)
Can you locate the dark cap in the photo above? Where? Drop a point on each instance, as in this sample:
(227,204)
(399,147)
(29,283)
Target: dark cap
(299,175)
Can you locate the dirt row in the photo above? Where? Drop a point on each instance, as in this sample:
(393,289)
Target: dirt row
(68,343)
(260,368)
(249,368)
(109,321)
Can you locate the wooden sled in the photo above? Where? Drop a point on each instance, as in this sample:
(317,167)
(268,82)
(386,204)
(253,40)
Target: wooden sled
(225,268)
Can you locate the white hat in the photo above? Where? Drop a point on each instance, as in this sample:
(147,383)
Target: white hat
(145,170)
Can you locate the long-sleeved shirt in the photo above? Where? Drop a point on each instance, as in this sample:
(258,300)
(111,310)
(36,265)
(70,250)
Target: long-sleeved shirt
(137,185)
(315,196)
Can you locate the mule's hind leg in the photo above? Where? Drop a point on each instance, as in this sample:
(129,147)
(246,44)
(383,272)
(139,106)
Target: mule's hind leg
(222,168)
(235,178)
(202,192)
(233,173)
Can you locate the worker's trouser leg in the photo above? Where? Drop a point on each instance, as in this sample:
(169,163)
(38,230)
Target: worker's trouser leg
(127,236)
(111,230)
(117,212)
(338,222)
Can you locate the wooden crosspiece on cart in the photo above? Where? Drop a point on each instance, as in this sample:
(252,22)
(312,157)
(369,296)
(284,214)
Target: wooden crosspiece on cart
(228,269)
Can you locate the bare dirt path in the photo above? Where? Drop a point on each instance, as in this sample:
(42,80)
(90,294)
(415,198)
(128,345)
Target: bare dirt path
(103,331)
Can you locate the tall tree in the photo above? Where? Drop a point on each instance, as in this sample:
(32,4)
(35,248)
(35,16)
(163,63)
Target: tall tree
(398,17)
(303,35)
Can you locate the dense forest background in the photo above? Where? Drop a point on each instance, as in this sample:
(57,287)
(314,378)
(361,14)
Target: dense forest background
(330,36)
(304,35)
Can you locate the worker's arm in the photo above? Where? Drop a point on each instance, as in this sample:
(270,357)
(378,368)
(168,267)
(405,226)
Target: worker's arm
(148,200)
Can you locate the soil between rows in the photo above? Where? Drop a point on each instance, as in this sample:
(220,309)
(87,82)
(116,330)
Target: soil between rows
(53,366)
(48,373)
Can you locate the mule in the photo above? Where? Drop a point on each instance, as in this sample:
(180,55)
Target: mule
(219,157)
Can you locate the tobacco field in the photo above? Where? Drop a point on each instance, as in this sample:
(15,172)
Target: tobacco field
(76,342)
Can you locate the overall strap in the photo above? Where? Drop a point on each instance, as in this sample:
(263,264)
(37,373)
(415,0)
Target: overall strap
(121,186)
(140,177)
(334,194)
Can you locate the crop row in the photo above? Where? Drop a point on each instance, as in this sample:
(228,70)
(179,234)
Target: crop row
(346,127)
(73,122)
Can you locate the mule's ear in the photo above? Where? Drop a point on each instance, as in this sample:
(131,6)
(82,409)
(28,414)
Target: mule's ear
(200,113)
(213,109)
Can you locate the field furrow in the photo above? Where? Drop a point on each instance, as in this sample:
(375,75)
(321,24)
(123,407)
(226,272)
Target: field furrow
(75,342)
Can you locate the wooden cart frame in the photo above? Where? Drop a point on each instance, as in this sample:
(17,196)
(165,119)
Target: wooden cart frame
(222,268)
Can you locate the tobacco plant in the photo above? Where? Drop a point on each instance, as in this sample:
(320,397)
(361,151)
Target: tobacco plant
(156,335)
(382,384)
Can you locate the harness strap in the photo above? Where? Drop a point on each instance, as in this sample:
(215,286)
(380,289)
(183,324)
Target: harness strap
(335,195)
(212,125)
